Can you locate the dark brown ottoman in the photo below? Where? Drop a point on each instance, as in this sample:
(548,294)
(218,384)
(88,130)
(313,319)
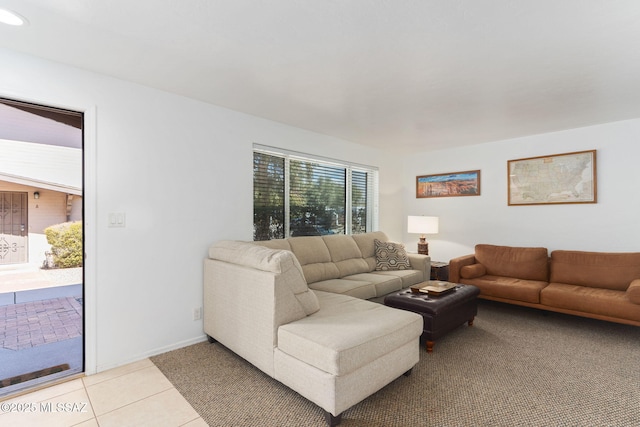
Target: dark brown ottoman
(442,313)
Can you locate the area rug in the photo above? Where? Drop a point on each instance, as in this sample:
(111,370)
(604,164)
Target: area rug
(514,367)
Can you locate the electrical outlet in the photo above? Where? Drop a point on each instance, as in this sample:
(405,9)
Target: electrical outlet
(197,313)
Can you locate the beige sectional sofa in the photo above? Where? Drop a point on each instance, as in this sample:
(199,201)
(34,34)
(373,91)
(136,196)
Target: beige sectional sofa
(346,265)
(599,285)
(304,319)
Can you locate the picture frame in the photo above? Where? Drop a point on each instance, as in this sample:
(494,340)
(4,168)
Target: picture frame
(554,179)
(453,184)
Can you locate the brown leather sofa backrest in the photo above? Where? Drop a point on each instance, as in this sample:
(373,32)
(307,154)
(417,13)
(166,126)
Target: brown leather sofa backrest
(606,270)
(508,261)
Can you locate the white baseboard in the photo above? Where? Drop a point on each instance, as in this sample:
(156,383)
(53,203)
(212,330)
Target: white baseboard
(153,352)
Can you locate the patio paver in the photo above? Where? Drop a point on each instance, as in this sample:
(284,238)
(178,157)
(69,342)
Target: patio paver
(34,323)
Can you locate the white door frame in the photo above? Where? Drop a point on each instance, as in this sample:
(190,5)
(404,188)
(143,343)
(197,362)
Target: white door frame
(89,218)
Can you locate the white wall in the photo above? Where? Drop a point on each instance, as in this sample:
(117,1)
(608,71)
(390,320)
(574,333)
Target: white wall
(609,225)
(181,171)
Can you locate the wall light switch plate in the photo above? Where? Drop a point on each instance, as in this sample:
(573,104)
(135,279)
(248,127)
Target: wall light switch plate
(117,219)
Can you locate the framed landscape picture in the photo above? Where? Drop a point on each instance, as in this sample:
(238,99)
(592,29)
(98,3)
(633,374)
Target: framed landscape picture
(448,184)
(554,179)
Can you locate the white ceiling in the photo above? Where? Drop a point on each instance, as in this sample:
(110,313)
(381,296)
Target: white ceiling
(416,74)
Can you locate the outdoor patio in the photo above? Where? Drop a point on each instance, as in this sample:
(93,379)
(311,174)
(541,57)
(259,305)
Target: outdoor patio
(42,321)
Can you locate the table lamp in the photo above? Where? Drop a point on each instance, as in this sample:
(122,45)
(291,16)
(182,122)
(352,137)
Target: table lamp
(422,225)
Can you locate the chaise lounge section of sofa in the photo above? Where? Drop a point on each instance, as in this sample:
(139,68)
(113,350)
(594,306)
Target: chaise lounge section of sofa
(599,285)
(330,347)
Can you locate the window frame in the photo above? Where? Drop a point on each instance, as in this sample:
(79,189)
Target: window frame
(372,196)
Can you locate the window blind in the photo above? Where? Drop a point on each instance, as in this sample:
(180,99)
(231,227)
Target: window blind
(296,195)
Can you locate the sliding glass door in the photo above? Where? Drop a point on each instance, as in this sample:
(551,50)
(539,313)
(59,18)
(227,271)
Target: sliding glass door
(41,245)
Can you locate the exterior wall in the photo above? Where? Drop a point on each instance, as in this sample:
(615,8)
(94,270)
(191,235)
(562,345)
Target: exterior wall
(76,209)
(49,209)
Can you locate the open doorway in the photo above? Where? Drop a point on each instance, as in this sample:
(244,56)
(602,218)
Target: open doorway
(41,245)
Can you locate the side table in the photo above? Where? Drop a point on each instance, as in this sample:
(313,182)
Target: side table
(440,271)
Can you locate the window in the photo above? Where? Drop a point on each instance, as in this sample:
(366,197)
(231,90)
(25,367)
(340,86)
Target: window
(299,195)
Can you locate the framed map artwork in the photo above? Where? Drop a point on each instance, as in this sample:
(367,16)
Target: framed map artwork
(448,184)
(554,179)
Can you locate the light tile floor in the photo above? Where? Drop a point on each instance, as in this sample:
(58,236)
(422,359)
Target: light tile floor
(137,394)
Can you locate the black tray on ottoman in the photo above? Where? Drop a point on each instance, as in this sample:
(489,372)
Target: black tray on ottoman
(441,313)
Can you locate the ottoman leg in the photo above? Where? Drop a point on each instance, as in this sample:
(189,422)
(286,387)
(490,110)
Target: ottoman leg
(430,346)
(471,321)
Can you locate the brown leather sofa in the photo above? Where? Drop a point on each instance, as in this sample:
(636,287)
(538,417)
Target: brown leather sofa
(599,285)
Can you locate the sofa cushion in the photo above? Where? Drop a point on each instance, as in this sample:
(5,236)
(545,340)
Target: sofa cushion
(520,263)
(280,262)
(367,246)
(367,332)
(472,271)
(595,269)
(274,244)
(391,256)
(355,288)
(584,299)
(633,292)
(508,288)
(346,254)
(249,255)
(408,277)
(314,257)
(383,284)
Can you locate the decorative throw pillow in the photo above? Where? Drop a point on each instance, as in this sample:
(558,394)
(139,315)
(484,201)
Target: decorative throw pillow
(391,256)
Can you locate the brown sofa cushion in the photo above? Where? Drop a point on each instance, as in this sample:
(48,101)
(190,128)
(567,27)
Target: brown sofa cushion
(633,292)
(606,270)
(585,299)
(472,271)
(520,263)
(508,288)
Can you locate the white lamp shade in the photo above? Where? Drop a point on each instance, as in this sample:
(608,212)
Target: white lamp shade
(422,224)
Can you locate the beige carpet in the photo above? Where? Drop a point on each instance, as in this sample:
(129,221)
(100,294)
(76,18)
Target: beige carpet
(515,367)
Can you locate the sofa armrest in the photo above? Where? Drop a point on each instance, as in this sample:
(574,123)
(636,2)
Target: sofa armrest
(473,271)
(456,264)
(422,263)
(633,291)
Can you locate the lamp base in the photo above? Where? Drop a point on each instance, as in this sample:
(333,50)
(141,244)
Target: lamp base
(423,247)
